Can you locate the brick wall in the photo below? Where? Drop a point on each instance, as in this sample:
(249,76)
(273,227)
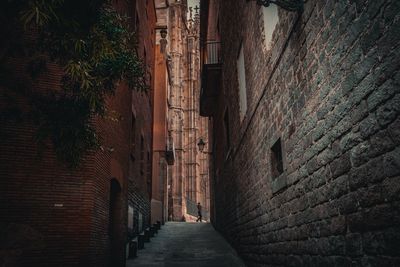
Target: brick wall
(54,216)
(44,207)
(329,89)
(140,161)
(141,205)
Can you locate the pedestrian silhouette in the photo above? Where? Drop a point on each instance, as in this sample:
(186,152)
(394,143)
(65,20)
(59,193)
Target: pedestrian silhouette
(198,212)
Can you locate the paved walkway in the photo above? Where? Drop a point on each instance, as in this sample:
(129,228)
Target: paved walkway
(187,244)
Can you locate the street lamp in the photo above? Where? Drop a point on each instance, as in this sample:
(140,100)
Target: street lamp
(163,40)
(290,5)
(163,33)
(201,144)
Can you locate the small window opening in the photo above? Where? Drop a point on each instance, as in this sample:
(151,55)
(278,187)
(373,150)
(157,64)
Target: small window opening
(227,134)
(242,84)
(133,128)
(142,155)
(276,159)
(133,137)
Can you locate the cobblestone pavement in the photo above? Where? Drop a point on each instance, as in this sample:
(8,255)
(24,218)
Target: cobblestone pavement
(187,244)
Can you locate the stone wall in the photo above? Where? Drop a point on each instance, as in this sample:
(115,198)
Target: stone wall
(189,176)
(329,90)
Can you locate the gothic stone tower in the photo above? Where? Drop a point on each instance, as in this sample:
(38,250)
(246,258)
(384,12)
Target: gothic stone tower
(188,178)
(177,50)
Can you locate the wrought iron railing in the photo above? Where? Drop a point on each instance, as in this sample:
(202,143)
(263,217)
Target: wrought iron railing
(212,52)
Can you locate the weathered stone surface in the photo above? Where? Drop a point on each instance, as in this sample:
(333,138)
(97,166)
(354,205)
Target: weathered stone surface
(187,244)
(388,112)
(392,163)
(330,91)
(340,165)
(394,131)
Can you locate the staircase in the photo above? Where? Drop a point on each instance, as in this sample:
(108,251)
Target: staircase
(187,244)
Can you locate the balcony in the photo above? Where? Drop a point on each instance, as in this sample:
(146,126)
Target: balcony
(210,78)
(170,151)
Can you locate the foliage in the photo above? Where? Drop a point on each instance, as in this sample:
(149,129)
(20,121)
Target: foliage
(97,50)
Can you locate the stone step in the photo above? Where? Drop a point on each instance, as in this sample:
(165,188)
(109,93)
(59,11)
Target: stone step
(187,244)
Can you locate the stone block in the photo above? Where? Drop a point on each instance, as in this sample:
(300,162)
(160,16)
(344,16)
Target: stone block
(389,111)
(331,95)
(341,165)
(394,131)
(369,126)
(392,163)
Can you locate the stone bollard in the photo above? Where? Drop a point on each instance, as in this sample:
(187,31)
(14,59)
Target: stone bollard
(133,248)
(141,239)
(155,228)
(152,231)
(158,225)
(147,235)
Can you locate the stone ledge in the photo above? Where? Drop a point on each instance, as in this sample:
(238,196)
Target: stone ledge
(279,183)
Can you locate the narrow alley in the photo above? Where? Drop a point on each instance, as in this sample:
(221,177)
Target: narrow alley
(125,122)
(187,244)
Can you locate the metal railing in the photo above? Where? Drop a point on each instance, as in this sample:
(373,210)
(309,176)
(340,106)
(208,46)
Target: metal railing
(212,52)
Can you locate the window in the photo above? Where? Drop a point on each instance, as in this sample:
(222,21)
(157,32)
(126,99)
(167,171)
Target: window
(146,66)
(150,78)
(147,14)
(242,84)
(140,223)
(148,164)
(142,155)
(148,174)
(227,135)
(131,13)
(271,19)
(133,137)
(137,23)
(276,159)
(133,131)
(130,218)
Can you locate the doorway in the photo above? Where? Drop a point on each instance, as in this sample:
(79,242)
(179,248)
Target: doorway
(114,227)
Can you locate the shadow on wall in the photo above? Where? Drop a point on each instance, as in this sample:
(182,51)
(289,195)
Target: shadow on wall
(115,217)
(16,240)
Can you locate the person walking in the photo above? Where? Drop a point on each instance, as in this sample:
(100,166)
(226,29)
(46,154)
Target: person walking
(198,212)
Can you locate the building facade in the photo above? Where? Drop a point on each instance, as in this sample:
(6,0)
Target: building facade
(185,125)
(179,187)
(304,109)
(52,215)
(163,145)
(142,16)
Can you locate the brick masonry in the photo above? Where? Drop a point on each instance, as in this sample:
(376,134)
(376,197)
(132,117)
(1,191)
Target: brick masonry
(329,88)
(139,184)
(54,216)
